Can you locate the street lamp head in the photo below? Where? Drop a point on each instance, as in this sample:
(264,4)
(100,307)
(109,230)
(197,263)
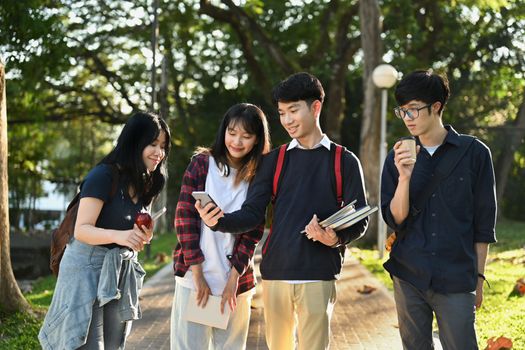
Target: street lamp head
(384,76)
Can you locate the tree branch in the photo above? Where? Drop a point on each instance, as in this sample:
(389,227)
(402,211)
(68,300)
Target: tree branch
(322,45)
(242,23)
(245,39)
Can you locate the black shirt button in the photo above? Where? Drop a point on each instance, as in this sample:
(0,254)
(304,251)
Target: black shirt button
(433,234)
(433,214)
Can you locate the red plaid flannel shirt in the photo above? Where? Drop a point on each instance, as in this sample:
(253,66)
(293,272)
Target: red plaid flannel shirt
(188,227)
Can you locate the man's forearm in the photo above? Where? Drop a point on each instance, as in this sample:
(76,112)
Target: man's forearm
(400,206)
(482,250)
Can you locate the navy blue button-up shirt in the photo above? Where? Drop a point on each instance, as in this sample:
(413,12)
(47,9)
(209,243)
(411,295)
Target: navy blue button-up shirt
(438,249)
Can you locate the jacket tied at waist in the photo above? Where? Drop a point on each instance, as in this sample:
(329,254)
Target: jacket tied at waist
(90,274)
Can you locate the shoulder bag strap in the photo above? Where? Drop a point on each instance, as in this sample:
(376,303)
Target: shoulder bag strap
(443,170)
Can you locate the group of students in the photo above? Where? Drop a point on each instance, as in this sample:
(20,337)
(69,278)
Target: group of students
(437,264)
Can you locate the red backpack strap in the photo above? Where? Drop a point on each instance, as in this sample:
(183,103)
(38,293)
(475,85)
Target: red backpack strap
(278,169)
(338,174)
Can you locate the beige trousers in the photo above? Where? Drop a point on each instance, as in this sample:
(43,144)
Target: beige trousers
(304,307)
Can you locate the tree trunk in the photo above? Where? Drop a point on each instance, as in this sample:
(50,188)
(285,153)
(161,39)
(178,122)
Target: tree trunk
(162,222)
(11,299)
(370,23)
(513,136)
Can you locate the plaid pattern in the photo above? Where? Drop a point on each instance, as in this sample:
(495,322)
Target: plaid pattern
(188,227)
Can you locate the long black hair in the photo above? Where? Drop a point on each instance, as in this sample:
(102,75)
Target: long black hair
(253,121)
(140,130)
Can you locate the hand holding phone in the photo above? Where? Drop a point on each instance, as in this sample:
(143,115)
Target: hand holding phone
(210,217)
(204,197)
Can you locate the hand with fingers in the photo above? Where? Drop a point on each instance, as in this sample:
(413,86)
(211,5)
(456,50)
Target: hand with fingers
(133,239)
(479,294)
(210,214)
(316,233)
(403,159)
(148,231)
(229,294)
(202,289)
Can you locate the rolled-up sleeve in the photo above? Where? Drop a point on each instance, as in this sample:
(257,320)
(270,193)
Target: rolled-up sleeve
(245,249)
(187,219)
(485,207)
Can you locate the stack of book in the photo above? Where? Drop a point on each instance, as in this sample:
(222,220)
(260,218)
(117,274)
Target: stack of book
(347,216)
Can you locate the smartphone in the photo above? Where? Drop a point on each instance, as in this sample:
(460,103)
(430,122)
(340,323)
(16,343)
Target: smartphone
(204,197)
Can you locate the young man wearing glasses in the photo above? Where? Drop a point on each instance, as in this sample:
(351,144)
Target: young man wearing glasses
(438,261)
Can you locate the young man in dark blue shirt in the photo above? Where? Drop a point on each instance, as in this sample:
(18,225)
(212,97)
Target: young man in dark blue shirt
(299,270)
(438,262)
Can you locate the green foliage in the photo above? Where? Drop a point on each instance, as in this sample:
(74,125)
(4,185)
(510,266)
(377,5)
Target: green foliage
(42,292)
(500,314)
(90,61)
(513,199)
(19,331)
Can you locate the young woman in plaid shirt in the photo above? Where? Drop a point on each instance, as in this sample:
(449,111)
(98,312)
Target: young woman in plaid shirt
(218,263)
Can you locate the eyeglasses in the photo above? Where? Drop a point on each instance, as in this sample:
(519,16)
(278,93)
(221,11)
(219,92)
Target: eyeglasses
(412,113)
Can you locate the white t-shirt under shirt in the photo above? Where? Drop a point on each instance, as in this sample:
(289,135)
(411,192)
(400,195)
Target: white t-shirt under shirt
(431,149)
(216,245)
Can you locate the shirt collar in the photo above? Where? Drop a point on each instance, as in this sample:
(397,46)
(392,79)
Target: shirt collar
(325,142)
(452,136)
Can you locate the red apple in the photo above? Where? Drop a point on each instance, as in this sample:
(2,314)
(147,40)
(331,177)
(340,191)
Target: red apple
(144,219)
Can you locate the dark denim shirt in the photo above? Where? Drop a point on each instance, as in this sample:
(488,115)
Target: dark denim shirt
(438,249)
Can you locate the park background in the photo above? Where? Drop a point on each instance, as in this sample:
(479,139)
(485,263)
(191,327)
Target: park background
(76,70)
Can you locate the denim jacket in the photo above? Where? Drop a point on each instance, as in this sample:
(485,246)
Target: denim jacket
(89,273)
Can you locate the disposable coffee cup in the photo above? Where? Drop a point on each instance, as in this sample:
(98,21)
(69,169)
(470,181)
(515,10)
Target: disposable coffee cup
(409,142)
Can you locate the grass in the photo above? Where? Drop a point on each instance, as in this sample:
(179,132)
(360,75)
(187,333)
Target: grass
(501,314)
(20,331)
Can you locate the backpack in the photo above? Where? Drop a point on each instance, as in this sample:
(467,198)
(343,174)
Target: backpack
(62,235)
(337,172)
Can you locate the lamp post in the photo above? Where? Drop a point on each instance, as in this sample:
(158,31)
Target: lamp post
(384,77)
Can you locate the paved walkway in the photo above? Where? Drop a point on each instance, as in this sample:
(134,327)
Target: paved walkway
(360,321)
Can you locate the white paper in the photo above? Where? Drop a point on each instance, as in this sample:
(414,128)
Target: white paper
(209,315)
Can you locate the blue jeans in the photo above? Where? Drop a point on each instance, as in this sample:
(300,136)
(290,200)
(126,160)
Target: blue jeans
(455,314)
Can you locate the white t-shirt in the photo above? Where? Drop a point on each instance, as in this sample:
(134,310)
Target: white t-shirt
(216,245)
(432,149)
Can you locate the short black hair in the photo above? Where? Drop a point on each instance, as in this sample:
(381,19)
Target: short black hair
(298,87)
(423,85)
